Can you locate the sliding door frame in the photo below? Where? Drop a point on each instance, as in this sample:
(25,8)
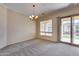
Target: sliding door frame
(59,29)
(60,18)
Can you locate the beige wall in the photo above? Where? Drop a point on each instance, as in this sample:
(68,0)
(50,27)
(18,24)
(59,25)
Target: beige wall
(20,28)
(14,27)
(3,26)
(53,16)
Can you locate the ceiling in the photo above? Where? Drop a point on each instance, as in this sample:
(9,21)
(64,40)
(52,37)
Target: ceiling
(27,9)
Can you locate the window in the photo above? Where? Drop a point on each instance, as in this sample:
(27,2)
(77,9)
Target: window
(46,28)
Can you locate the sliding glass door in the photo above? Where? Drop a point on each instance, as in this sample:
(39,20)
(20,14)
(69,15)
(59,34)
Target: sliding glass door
(70,29)
(75,30)
(66,29)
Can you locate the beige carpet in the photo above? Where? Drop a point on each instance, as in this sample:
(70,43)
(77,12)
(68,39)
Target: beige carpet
(39,47)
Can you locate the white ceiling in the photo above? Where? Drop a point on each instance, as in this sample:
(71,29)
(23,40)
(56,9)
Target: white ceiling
(27,9)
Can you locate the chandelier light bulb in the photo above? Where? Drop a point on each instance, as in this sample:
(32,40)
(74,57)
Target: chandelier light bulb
(32,15)
(36,17)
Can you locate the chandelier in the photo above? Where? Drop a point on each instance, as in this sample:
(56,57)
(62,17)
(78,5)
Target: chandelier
(33,16)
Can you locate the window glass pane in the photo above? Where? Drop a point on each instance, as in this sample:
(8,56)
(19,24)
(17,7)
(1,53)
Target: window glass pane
(66,30)
(49,26)
(76,29)
(42,26)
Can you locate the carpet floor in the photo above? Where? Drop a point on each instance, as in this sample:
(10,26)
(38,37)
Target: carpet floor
(39,47)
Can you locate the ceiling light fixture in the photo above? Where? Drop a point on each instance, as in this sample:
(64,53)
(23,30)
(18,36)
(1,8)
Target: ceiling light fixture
(33,17)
